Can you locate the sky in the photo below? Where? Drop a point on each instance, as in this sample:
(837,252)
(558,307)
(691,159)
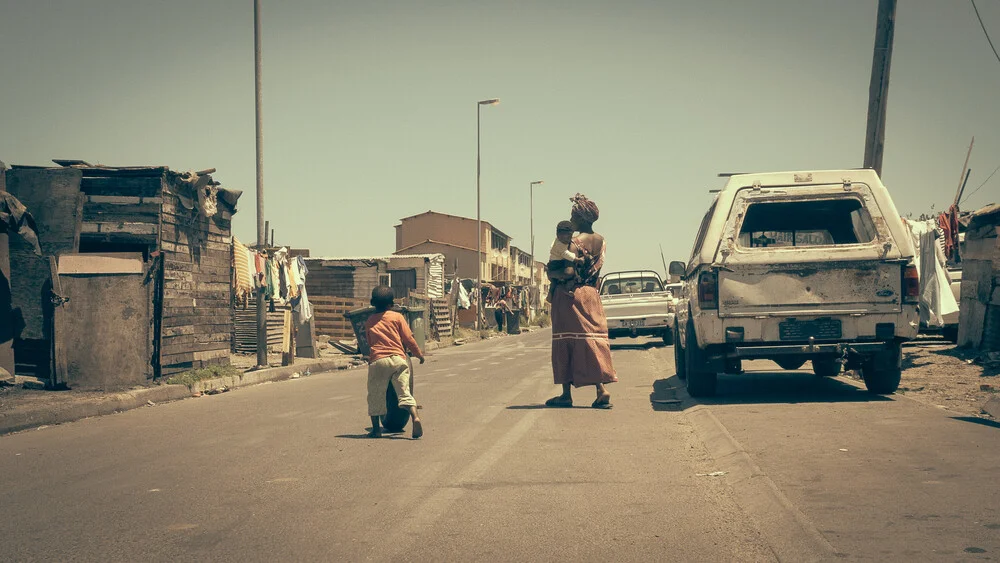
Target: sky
(368,107)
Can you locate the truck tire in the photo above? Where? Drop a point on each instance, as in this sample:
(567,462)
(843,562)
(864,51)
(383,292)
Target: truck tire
(790,363)
(826,367)
(679,357)
(396,418)
(700,381)
(883,371)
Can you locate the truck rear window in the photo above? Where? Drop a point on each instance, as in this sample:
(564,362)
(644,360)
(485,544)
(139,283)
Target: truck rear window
(825,222)
(632,284)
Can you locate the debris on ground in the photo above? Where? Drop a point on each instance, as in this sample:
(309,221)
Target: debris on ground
(956,379)
(712,474)
(150,404)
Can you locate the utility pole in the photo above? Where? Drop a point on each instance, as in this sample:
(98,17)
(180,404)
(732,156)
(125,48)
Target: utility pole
(261,228)
(878,90)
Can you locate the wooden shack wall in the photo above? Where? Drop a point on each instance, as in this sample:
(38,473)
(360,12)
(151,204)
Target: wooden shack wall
(53,197)
(197,317)
(122,209)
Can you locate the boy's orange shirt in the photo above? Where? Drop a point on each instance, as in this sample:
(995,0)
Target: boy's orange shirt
(389,335)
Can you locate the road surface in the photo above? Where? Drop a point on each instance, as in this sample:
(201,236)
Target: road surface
(780,467)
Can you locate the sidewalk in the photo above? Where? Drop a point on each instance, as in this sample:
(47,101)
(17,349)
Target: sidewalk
(22,409)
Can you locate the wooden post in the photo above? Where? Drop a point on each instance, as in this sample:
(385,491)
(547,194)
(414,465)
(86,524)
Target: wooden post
(878,90)
(59,363)
(6,348)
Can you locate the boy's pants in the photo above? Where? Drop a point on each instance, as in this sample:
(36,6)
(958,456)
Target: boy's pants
(396,370)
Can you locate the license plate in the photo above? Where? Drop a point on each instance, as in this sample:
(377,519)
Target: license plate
(634,323)
(820,329)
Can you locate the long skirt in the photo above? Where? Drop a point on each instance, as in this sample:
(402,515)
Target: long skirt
(581,351)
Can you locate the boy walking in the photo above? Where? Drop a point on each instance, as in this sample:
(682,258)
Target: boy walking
(389,338)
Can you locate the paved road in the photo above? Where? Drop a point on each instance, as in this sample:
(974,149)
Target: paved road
(282,472)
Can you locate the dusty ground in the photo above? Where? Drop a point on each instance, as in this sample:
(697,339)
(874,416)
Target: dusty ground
(940,374)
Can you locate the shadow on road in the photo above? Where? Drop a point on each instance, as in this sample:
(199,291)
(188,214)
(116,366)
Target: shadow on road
(787,387)
(386,435)
(639,346)
(976,420)
(761,388)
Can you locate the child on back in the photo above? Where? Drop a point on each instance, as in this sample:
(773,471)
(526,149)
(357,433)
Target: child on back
(389,338)
(563,260)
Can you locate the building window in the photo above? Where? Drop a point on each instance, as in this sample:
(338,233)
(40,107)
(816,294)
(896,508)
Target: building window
(499,242)
(385,279)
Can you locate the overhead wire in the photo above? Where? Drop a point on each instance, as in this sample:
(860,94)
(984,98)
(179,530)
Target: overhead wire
(988,40)
(970,194)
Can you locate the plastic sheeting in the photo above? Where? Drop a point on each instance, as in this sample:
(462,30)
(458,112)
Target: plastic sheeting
(936,298)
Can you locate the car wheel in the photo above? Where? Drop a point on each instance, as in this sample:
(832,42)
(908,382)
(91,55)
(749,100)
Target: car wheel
(700,381)
(790,363)
(679,357)
(826,367)
(883,371)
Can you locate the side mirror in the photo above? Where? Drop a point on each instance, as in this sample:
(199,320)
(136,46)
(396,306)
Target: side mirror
(677,268)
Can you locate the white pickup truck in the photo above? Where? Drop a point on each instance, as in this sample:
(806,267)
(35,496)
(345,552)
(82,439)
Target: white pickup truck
(637,304)
(796,267)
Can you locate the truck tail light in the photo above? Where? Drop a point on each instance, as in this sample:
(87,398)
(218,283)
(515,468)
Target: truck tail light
(911,284)
(708,290)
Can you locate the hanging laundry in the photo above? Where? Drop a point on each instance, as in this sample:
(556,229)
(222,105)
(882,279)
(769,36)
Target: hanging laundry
(271,280)
(242,280)
(260,262)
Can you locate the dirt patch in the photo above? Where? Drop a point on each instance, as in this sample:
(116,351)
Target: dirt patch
(949,377)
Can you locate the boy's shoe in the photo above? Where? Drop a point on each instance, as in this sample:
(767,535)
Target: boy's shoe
(375,433)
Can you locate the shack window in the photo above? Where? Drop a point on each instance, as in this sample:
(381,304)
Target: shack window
(770,224)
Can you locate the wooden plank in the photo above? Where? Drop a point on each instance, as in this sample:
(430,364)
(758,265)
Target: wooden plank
(185,348)
(148,186)
(95,263)
(114,213)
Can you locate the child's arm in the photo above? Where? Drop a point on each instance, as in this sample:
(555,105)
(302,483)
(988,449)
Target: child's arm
(409,342)
(569,255)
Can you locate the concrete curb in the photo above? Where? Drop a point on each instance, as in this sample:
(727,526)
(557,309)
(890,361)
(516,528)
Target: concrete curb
(17,421)
(758,494)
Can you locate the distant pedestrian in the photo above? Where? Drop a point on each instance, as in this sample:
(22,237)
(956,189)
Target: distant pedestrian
(581,351)
(500,313)
(389,338)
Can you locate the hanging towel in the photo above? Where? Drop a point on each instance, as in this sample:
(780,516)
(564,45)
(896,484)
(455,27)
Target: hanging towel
(242,281)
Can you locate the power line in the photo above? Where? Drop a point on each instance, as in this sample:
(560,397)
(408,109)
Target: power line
(990,41)
(981,185)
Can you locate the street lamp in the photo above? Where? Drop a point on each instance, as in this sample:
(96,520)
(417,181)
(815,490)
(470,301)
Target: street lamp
(531,206)
(479,220)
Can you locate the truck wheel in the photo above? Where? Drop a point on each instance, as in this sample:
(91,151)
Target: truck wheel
(826,367)
(790,363)
(700,381)
(679,357)
(883,371)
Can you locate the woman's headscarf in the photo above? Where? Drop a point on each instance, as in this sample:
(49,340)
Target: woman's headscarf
(584,208)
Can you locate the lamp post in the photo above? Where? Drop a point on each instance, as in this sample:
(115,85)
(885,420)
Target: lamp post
(531,207)
(479,220)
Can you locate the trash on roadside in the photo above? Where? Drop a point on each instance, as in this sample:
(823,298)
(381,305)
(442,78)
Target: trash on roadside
(843,449)
(150,403)
(459,341)
(216,391)
(307,373)
(712,474)
(296,375)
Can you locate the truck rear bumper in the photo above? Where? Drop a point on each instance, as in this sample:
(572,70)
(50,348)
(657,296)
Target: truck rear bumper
(837,349)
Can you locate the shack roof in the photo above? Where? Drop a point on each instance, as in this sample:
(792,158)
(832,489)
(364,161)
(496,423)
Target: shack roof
(99,170)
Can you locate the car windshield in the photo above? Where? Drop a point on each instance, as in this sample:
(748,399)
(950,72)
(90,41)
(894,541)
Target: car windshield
(824,222)
(616,284)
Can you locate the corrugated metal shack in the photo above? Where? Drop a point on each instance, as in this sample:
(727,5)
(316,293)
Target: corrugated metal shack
(979,316)
(338,285)
(177,224)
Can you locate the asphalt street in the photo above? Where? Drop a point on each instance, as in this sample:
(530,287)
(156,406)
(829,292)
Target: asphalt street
(780,466)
